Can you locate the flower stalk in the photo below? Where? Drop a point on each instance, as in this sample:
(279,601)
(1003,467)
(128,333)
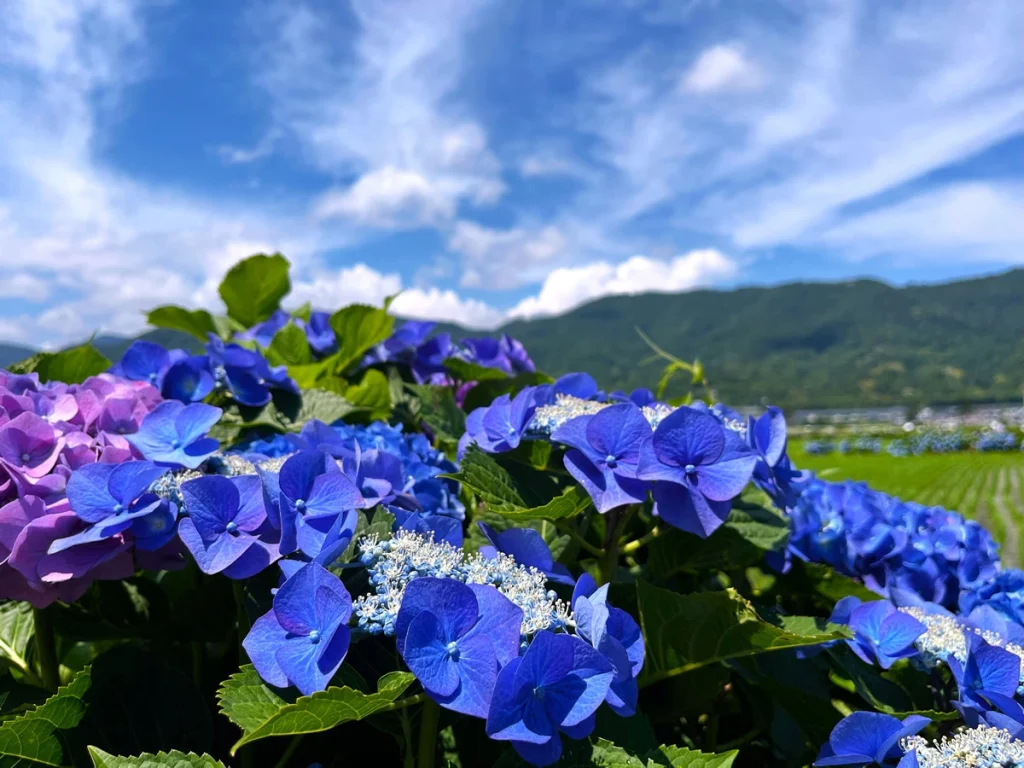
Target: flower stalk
(46,649)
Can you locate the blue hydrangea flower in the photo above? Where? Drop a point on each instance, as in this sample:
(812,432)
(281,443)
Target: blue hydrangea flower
(323,547)
(245,373)
(188,380)
(304,638)
(455,637)
(317,436)
(528,548)
(263,333)
(869,738)
(987,680)
(556,686)
(321,337)
(774,473)
(881,633)
(616,635)
(174,434)
(604,454)
(698,467)
(226,529)
(378,475)
(439,527)
(499,427)
(312,494)
(111,497)
(146,361)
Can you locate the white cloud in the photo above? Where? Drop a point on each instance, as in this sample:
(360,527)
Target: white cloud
(569,287)
(442,305)
(388,197)
(388,113)
(968,221)
(327,289)
(22,285)
(721,68)
(497,259)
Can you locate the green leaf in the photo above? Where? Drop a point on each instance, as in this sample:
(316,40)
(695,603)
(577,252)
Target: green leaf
(529,495)
(289,347)
(681,757)
(805,578)
(466,371)
(28,364)
(371,394)
(744,539)
(32,739)
(684,632)
(172,759)
(439,411)
(319,404)
(198,322)
(304,312)
(254,287)
(72,366)
(601,753)
(16,631)
(261,712)
(359,327)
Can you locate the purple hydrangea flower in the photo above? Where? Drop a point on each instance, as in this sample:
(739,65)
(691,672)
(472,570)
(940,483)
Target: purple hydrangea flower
(29,445)
(604,454)
(499,427)
(226,529)
(455,637)
(528,548)
(303,639)
(556,686)
(698,468)
(869,738)
(174,434)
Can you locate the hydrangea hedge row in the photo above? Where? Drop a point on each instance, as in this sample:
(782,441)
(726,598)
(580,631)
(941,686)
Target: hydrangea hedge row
(351,540)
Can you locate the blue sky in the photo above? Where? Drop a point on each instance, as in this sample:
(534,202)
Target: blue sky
(497,159)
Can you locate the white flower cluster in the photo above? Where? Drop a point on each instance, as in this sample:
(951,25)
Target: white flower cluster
(548,418)
(981,747)
(945,637)
(392,564)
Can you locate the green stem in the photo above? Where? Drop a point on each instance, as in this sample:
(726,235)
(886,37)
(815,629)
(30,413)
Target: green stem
(739,741)
(46,649)
(615,522)
(429,716)
(242,617)
(711,734)
(407,734)
(643,541)
(570,531)
(293,745)
(405,703)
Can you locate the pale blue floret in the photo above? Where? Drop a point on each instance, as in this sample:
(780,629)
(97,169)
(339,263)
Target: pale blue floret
(392,564)
(981,747)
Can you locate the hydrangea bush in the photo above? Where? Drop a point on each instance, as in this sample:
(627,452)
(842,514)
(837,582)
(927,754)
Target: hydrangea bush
(355,540)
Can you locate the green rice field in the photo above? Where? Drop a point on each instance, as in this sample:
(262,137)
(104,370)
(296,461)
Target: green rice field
(988,487)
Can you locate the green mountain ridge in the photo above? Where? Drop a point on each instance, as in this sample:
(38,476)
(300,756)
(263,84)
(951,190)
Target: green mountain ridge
(854,343)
